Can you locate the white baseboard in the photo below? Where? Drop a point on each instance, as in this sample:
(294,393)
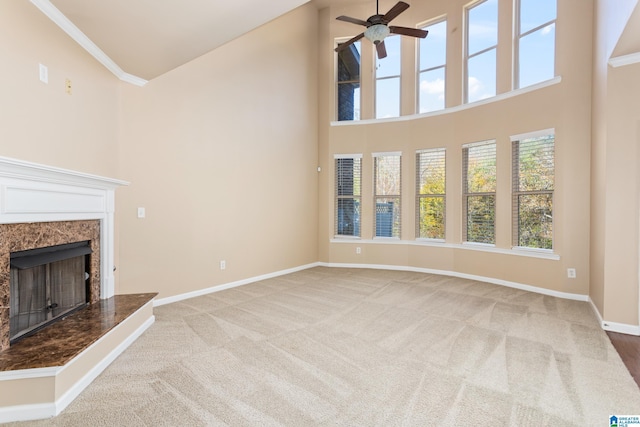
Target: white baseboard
(521,286)
(200,292)
(621,328)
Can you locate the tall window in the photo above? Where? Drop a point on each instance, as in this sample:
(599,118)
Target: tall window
(536,41)
(533,183)
(388,80)
(430,198)
(479,191)
(348,80)
(432,67)
(386,175)
(348,193)
(481,46)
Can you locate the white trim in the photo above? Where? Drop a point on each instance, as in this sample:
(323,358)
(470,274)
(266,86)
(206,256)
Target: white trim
(32,192)
(535,134)
(222,287)
(621,328)
(515,285)
(74,32)
(347,156)
(621,61)
(479,143)
(500,97)
(387,154)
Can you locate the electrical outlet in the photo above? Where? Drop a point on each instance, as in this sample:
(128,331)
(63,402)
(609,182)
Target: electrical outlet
(44,73)
(223,264)
(358,250)
(571,273)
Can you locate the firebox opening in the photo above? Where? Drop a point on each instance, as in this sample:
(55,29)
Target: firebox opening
(46,284)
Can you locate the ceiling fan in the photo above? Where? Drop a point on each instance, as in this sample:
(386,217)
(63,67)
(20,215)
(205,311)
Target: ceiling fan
(378,28)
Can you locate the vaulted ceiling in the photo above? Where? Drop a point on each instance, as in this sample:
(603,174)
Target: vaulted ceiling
(142,39)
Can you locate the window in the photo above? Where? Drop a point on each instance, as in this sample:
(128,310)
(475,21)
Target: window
(386,176)
(431,69)
(348,79)
(430,198)
(481,46)
(533,183)
(479,191)
(536,40)
(388,80)
(348,192)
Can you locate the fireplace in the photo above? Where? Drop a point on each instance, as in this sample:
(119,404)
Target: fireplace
(45,285)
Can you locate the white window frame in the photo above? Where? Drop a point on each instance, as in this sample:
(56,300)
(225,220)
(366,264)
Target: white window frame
(466,194)
(425,26)
(519,36)
(396,229)
(468,56)
(395,76)
(357,108)
(515,139)
(420,195)
(356,197)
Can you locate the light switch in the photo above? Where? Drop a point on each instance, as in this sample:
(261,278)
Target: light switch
(141,213)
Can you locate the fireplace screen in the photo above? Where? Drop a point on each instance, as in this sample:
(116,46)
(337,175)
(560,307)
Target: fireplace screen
(46,284)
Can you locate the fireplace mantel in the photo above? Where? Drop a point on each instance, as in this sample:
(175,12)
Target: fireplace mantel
(32,192)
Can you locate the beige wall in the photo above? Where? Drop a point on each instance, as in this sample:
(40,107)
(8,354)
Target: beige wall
(564,106)
(614,176)
(40,122)
(222,153)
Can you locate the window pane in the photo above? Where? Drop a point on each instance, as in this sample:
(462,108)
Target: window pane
(481,168)
(387,175)
(481,215)
(535,221)
(348,217)
(432,90)
(349,83)
(389,66)
(536,164)
(388,217)
(537,56)
(483,26)
(388,98)
(431,217)
(481,83)
(431,171)
(534,13)
(433,48)
(347,193)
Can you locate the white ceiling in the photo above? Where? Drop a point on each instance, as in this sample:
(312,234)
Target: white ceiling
(142,39)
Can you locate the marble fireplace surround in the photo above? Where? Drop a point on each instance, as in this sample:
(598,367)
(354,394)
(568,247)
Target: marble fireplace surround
(24,236)
(42,206)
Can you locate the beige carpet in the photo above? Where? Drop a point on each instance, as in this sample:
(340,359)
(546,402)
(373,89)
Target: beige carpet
(349,347)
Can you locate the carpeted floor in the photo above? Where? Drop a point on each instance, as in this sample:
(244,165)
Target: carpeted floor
(350,347)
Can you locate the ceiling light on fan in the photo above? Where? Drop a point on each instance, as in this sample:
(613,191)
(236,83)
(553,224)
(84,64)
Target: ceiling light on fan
(376,33)
(378,28)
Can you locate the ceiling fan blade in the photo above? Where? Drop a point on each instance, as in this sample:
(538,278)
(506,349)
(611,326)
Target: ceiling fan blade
(381,49)
(352,20)
(395,11)
(405,31)
(343,46)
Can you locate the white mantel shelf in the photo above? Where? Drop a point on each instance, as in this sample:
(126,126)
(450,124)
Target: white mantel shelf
(32,192)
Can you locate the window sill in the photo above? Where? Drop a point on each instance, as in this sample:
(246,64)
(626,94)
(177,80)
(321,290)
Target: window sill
(450,110)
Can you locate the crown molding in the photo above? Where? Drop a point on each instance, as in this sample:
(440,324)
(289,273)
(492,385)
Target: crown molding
(74,32)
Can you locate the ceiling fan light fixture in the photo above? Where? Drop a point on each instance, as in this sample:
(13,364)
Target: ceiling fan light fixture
(376,33)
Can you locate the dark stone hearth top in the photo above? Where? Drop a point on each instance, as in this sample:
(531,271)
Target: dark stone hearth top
(60,342)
